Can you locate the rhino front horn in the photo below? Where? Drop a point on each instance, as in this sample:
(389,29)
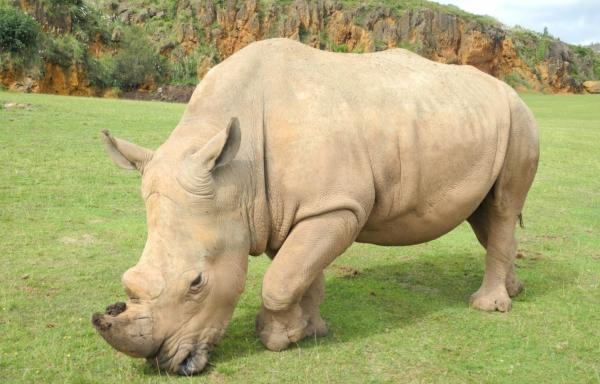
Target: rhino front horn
(128,330)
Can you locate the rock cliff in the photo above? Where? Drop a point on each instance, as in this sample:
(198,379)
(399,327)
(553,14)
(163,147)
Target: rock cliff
(208,31)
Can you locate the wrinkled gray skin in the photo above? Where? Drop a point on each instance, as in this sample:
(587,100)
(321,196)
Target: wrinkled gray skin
(297,153)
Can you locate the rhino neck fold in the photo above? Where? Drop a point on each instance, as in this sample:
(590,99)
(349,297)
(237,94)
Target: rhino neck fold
(260,217)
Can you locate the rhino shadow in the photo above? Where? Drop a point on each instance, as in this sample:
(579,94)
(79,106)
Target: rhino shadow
(363,302)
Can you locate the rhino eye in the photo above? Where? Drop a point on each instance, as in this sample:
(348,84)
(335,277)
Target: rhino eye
(196,283)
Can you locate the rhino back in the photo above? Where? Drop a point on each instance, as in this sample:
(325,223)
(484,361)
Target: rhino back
(410,146)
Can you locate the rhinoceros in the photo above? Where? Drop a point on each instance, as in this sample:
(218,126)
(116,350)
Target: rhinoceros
(296,153)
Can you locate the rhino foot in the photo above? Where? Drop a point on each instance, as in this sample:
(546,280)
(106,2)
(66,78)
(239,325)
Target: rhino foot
(316,327)
(275,339)
(513,284)
(491,300)
(278,329)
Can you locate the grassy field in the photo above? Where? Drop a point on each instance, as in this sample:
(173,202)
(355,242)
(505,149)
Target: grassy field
(71,223)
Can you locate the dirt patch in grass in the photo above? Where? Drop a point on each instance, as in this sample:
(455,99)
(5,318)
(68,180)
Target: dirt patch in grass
(37,291)
(12,105)
(553,237)
(345,271)
(530,255)
(85,239)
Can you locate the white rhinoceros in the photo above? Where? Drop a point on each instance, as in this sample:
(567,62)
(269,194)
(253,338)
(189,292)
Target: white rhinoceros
(297,153)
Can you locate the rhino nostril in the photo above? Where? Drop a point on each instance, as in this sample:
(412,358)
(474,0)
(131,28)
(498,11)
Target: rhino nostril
(96,319)
(99,322)
(116,309)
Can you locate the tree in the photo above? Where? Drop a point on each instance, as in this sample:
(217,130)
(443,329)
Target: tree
(18,31)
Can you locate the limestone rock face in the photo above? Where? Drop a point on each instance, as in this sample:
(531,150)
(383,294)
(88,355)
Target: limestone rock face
(240,26)
(435,34)
(213,30)
(65,81)
(592,86)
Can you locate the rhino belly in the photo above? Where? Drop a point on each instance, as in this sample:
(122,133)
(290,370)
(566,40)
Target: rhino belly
(416,227)
(432,170)
(431,192)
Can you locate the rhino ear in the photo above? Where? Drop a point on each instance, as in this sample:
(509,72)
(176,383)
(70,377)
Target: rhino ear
(221,149)
(125,154)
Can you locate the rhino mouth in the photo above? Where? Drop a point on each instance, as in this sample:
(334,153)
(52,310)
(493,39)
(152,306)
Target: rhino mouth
(194,363)
(186,361)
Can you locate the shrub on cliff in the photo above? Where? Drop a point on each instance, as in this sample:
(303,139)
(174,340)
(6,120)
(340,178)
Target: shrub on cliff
(18,31)
(183,69)
(63,50)
(188,68)
(100,71)
(138,62)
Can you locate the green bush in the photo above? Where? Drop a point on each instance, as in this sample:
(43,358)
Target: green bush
(588,55)
(342,48)
(137,62)
(541,50)
(63,50)
(184,68)
(413,47)
(596,69)
(18,31)
(380,45)
(100,71)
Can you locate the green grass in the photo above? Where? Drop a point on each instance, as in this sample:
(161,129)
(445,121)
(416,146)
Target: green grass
(72,223)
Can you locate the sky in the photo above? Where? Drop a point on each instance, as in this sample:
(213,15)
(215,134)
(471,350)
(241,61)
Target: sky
(573,21)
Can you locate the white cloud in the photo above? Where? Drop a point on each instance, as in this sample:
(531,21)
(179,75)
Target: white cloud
(573,21)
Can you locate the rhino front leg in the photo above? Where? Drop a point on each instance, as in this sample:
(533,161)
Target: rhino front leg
(309,318)
(293,285)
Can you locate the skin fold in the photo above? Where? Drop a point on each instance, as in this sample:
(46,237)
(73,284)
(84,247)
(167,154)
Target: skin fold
(297,153)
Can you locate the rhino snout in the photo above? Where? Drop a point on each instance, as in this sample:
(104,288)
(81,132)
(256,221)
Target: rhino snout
(127,329)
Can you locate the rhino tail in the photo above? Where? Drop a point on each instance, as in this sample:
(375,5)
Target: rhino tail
(520,216)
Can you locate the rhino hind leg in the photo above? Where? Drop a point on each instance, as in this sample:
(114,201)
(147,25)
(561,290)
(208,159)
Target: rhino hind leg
(495,220)
(293,286)
(498,237)
(514,286)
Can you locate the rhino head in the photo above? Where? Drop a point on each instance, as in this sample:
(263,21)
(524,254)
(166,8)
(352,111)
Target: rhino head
(183,291)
